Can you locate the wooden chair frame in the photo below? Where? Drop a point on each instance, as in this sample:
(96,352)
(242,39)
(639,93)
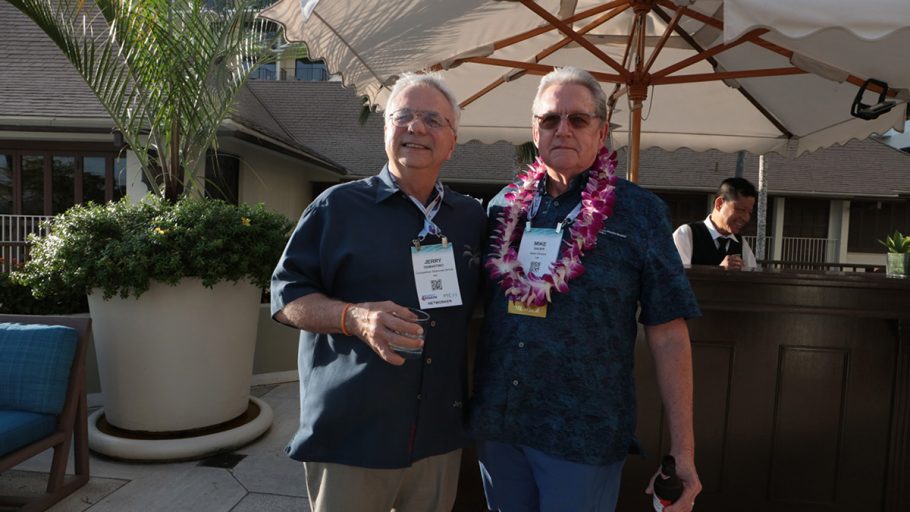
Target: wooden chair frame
(72,426)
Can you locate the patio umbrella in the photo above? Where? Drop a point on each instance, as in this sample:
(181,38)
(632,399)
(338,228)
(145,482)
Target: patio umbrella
(669,72)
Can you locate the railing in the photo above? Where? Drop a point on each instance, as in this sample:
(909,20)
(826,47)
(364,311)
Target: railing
(14,231)
(802,265)
(797,250)
(769,246)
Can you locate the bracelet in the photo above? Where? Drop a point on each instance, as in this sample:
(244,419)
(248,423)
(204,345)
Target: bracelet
(344,313)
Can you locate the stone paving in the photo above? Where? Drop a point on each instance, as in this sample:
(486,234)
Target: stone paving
(259,478)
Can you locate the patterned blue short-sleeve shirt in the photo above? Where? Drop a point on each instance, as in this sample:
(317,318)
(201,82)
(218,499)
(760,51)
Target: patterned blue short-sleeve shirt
(564,384)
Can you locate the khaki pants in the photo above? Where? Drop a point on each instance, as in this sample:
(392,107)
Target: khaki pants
(429,485)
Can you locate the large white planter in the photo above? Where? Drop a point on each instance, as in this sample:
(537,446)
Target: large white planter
(178,357)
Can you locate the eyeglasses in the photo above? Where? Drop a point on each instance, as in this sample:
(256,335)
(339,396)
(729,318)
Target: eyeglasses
(577,120)
(403,118)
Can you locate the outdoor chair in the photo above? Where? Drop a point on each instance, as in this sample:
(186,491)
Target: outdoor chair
(42,401)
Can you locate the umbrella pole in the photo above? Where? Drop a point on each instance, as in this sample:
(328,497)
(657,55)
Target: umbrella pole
(638,92)
(635,142)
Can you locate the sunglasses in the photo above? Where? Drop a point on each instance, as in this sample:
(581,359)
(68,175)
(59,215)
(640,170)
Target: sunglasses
(577,120)
(403,118)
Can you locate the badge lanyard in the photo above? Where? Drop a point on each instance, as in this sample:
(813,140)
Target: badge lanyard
(539,249)
(435,274)
(429,211)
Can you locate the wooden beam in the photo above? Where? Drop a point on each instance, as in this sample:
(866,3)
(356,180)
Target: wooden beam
(538,69)
(546,52)
(705,54)
(567,30)
(727,75)
(663,39)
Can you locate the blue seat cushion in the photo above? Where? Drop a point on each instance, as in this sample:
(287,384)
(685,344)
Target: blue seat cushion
(35,361)
(20,428)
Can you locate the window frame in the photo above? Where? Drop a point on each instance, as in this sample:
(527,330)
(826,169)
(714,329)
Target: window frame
(48,151)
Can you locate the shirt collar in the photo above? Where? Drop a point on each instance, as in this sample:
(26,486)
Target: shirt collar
(386,188)
(578,182)
(715,234)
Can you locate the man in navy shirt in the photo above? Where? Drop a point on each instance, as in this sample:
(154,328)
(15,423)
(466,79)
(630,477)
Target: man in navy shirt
(378,432)
(576,254)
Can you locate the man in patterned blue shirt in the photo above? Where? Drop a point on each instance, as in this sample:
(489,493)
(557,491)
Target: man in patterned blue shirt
(554,409)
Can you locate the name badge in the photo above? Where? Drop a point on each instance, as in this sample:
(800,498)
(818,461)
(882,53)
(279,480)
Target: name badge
(538,250)
(435,276)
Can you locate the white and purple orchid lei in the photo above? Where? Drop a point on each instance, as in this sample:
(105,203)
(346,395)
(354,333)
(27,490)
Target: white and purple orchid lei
(597,204)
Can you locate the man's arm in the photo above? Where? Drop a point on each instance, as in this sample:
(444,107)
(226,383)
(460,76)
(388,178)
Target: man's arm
(682,237)
(672,352)
(749,261)
(375,323)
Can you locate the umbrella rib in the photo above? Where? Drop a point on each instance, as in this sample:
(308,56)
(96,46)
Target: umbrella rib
(728,75)
(704,54)
(517,38)
(536,69)
(694,44)
(567,30)
(546,52)
(663,39)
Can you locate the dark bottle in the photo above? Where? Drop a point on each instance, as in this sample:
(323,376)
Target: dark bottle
(667,486)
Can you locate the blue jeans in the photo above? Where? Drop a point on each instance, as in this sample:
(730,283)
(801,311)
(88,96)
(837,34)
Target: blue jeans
(521,479)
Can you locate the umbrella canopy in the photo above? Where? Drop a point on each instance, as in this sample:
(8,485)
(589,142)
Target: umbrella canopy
(673,78)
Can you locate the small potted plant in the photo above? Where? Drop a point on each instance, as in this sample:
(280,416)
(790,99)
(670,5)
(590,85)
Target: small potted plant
(174,291)
(898,257)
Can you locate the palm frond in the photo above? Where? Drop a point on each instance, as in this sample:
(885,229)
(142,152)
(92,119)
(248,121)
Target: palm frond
(167,71)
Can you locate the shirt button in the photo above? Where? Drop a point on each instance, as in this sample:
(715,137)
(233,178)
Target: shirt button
(514,382)
(555,203)
(419,396)
(432,323)
(429,360)
(521,344)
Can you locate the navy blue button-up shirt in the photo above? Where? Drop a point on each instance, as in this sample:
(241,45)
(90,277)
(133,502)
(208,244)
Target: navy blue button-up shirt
(564,384)
(353,244)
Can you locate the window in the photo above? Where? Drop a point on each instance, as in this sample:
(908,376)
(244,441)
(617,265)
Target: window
(94,176)
(119,179)
(47,182)
(685,207)
(870,221)
(311,71)
(63,183)
(806,217)
(32,184)
(222,177)
(6,184)
(264,72)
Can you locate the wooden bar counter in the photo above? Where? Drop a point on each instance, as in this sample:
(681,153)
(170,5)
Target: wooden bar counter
(802,394)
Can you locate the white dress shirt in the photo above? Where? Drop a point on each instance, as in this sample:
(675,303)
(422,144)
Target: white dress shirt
(682,237)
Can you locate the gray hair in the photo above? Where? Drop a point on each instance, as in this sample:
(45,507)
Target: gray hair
(433,80)
(572,75)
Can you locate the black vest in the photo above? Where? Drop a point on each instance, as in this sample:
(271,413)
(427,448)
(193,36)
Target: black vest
(704,250)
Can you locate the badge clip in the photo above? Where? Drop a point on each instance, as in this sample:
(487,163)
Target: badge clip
(445,242)
(416,243)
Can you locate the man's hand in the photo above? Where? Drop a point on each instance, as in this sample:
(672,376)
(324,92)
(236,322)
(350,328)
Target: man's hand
(381,323)
(685,469)
(732,262)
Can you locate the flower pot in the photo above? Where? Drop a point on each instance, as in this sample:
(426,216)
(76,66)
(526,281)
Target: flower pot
(897,264)
(178,357)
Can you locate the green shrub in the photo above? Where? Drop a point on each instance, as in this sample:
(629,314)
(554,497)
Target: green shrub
(17,299)
(119,248)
